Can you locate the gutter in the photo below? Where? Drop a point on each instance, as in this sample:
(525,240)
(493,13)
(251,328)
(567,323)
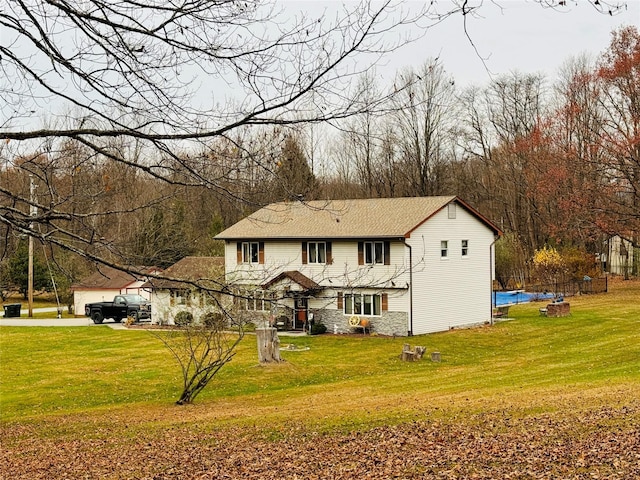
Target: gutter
(491,279)
(410,332)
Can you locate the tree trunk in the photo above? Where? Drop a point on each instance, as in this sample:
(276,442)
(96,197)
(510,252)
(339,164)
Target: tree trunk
(268,345)
(407,354)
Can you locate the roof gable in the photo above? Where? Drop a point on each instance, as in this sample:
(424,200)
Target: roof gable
(296,277)
(359,218)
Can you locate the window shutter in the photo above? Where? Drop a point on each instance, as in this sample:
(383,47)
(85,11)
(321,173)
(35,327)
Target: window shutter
(360,253)
(329,255)
(340,305)
(304,253)
(239,253)
(387,253)
(385,302)
(261,252)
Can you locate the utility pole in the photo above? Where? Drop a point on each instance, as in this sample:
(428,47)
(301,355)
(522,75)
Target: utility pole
(33,211)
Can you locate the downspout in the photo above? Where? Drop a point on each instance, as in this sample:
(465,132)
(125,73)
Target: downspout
(491,279)
(410,289)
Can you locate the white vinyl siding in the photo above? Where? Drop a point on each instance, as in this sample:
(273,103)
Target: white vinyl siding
(455,292)
(283,255)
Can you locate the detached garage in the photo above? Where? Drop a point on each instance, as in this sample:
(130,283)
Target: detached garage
(106,283)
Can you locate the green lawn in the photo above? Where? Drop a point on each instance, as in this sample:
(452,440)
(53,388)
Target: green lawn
(524,365)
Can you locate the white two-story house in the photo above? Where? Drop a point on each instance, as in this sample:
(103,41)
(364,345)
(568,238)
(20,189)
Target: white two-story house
(406,265)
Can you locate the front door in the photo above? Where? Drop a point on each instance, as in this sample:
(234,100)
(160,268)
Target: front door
(301,313)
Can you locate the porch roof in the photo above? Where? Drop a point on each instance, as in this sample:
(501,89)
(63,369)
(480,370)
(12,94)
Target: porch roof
(294,276)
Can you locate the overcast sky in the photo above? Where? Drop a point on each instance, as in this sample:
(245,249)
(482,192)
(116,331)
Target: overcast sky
(511,35)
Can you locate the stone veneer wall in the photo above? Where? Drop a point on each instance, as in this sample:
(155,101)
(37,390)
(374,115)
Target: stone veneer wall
(390,323)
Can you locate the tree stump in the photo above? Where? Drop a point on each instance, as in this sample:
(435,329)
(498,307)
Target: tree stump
(268,345)
(409,355)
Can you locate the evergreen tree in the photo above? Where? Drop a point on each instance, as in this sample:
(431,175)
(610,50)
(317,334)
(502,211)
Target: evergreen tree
(293,177)
(18,271)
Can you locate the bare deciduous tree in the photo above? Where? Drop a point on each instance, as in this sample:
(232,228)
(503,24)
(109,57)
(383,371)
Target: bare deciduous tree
(201,347)
(153,90)
(424,118)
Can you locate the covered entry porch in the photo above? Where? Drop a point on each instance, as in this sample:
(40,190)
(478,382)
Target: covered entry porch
(294,290)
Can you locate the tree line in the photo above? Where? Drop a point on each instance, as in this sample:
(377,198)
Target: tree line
(551,164)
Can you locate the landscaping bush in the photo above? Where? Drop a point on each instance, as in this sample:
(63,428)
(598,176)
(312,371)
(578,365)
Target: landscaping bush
(213,320)
(183,318)
(318,328)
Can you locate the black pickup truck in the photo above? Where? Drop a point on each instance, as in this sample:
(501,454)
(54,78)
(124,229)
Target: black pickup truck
(123,306)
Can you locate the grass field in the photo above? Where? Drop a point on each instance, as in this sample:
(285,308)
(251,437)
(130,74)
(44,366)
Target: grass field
(100,384)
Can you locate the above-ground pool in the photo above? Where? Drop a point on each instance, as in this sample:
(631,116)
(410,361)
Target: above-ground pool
(517,296)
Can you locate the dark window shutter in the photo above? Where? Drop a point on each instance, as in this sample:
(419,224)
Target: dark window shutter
(329,255)
(340,301)
(239,252)
(261,252)
(385,302)
(360,253)
(304,253)
(387,253)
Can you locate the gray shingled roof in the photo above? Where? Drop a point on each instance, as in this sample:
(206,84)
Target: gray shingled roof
(375,217)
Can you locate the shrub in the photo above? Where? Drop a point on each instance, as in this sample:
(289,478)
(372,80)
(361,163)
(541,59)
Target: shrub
(318,328)
(579,263)
(183,318)
(214,320)
(548,264)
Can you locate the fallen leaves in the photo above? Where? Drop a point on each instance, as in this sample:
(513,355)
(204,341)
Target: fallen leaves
(603,443)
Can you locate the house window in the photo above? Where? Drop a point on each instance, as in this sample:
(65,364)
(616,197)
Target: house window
(373,252)
(444,248)
(180,297)
(258,300)
(451,209)
(206,298)
(362,304)
(250,252)
(317,252)
(465,248)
